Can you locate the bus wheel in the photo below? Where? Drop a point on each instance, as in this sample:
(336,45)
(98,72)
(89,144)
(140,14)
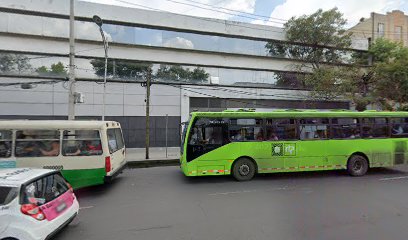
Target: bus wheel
(243,169)
(357,165)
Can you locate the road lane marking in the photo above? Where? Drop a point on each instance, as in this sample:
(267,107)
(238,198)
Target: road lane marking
(88,207)
(228,193)
(250,191)
(393,178)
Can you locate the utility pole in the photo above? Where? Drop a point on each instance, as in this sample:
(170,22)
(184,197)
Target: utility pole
(71,100)
(148,83)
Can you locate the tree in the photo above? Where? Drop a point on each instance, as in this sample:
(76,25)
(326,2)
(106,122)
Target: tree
(55,69)
(322,45)
(121,69)
(14,63)
(178,73)
(390,61)
(316,39)
(290,79)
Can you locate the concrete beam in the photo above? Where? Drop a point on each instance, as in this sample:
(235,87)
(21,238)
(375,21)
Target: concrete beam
(88,49)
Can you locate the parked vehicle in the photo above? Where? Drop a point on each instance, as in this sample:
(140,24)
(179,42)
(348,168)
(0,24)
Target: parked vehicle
(34,203)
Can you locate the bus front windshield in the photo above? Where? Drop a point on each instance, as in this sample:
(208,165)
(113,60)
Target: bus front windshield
(184,126)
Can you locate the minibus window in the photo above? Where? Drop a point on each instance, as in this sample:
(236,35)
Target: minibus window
(115,139)
(81,143)
(5,143)
(37,143)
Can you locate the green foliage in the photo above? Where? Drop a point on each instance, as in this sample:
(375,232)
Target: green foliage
(178,73)
(290,79)
(123,69)
(55,69)
(14,63)
(311,32)
(390,72)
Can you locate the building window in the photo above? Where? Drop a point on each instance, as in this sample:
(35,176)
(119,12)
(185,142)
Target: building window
(381,29)
(398,33)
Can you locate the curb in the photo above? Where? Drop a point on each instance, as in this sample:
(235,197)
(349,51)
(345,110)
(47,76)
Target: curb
(153,163)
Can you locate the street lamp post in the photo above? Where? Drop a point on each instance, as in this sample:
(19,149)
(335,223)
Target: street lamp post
(99,22)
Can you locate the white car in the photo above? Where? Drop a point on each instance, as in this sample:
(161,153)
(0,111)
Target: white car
(34,203)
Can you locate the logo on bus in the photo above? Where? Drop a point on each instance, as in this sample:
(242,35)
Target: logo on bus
(283,149)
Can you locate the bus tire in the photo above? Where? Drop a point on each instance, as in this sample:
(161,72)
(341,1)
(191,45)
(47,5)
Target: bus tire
(357,165)
(243,169)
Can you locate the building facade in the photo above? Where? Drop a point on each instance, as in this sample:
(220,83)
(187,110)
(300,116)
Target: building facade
(392,26)
(196,64)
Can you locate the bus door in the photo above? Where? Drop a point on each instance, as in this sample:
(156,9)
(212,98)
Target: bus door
(312,147)
(205,136)
(6,159)
(281,135)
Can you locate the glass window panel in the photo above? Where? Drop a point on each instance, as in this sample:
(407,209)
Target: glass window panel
(45,190)
(37,143)
(399,127)
(281,132)
(381,29)
(314,128)
(81,143)
(374,127)
(7,194)
(5,143)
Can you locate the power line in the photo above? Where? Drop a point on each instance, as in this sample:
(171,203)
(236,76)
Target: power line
(200,18)
(219,11)
(232,10)
(229,99)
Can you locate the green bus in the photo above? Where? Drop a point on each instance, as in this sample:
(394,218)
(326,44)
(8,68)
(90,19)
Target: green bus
(243,143)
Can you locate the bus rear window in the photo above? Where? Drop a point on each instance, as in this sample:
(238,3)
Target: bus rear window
(115,140)
(7,194)
(81,143)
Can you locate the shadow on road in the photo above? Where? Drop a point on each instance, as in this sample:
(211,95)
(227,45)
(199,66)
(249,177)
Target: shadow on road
(292,175)
(98,190)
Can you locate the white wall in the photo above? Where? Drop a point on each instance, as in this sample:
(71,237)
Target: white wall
(122,99)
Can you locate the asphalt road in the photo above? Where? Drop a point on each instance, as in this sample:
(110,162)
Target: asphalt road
(160,203)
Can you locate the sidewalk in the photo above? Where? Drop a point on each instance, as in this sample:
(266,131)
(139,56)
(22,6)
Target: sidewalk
(136,157)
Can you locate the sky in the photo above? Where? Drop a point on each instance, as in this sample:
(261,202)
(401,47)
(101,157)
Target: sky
(269,12)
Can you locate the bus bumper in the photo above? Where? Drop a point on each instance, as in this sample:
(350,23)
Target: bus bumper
(116,173)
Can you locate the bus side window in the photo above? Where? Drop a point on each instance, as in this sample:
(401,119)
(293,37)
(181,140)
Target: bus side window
(345,128)
(399,127)
(314,128)
(374,127)
(5,143)
(81,143)
(280,129)
(37,143)
(246,130)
